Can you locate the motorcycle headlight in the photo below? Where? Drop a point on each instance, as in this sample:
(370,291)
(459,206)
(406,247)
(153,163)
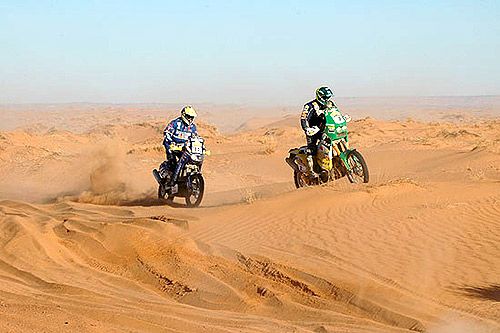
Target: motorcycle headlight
(339,129)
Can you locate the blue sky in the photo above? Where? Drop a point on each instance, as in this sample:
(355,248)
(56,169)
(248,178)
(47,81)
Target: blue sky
(253,52)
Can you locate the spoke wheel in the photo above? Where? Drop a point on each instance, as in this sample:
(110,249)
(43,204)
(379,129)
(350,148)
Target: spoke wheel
(162,195)
(195,193)
(301,179)
(161,192)
(359,169)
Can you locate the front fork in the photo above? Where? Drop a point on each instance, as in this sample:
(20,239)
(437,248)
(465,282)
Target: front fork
(189,183)
(343,157)
(342,150)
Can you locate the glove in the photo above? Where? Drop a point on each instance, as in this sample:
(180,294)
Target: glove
(310,131)
(176,147)
(347,118)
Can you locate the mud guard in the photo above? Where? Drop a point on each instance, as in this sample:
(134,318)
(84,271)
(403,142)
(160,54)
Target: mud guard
(290,162)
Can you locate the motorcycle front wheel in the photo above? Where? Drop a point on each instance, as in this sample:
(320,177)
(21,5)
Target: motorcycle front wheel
(359,173)
(196,189)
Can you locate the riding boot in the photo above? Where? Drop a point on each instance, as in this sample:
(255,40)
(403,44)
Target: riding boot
(172,184)
(310,164)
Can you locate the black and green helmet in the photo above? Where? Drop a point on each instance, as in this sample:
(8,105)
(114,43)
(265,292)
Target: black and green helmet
(323,95)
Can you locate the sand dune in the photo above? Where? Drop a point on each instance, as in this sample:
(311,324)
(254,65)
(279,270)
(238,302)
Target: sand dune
(85,247)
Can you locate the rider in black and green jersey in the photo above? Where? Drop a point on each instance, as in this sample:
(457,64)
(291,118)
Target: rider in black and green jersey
(313,122)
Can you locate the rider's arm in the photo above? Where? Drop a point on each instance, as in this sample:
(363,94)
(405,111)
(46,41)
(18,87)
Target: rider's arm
(176,132)
(345,115)
(168,133)
(304,117)
(194,130)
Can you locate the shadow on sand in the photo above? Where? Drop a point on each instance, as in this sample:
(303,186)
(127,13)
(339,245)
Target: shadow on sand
(150,202)
(489,293)
(212,199)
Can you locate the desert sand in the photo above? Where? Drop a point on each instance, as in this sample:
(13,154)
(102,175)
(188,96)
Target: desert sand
(86,246)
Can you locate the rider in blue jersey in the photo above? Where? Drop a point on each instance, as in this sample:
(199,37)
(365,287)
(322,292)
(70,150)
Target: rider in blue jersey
(176,134)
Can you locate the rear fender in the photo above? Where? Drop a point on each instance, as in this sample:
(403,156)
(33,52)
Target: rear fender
(301,161)
(290,160)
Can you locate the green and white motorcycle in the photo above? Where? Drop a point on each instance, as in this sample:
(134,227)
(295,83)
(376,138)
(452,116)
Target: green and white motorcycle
(334,158)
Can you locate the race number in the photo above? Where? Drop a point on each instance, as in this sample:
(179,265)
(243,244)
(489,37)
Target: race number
(197,147)
(339,119)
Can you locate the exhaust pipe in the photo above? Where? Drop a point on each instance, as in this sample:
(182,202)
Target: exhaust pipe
(157,176)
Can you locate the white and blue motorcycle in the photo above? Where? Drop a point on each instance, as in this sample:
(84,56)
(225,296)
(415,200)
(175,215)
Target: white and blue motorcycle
(190,183)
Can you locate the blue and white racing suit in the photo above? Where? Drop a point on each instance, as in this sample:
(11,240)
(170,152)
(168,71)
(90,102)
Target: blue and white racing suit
(178,133)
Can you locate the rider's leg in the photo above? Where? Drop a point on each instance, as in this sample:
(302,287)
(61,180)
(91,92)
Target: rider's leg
(177,171)
(311,152)
(169,164)
(162,169)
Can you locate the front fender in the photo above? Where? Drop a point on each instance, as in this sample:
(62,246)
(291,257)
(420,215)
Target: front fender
(189,179)
(343,157)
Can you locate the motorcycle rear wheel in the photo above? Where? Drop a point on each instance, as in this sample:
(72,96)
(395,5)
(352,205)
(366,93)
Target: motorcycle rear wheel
(162,193)
(300,179)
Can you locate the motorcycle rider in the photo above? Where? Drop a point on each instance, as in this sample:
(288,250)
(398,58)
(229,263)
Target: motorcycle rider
(176,134)
(313,122)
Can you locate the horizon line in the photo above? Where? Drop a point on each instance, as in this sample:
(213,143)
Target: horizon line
(236,103)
